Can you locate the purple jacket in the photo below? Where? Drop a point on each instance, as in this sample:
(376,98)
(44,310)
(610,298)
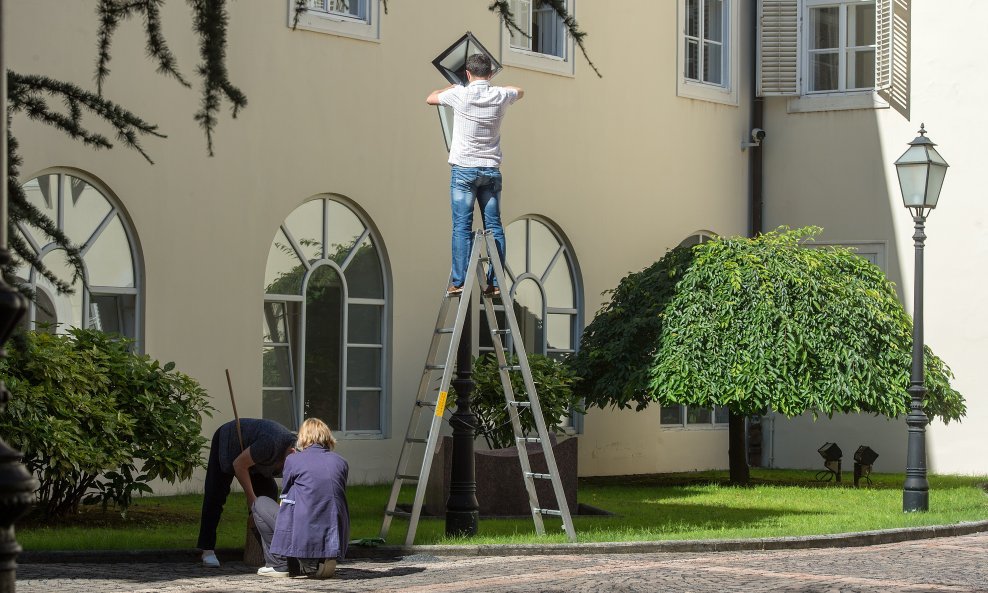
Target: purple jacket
(314,520)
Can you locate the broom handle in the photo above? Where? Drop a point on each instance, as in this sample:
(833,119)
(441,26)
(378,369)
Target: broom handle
(236,416)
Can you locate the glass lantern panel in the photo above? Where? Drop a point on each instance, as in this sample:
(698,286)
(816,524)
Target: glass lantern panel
(933,185)
(912,182)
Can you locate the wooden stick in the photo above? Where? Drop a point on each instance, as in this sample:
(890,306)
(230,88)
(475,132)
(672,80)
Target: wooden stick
(236,416)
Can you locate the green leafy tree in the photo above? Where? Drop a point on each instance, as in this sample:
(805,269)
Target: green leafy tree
(88,408)
(767,323)
(553,381)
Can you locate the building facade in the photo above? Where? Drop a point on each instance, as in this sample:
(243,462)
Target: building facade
(324,211)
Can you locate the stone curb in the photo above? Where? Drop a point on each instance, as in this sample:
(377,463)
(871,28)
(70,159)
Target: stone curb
(839,540)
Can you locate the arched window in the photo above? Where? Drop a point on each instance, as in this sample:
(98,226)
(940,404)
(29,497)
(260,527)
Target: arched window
(324,331)
(545,287)
(107,297)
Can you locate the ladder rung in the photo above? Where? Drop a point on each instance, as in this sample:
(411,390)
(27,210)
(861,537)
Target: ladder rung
(484,259)
(501,332)
(420,441)
(510,367)
(445,330)
(528,440)
(520,404)
(554,512)
(424,404)
(435,367)
(401,514)
(406,477)
(538,476)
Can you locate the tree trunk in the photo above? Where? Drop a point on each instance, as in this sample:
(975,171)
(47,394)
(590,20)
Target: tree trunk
(737,450)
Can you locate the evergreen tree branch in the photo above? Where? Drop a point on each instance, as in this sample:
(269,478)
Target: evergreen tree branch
(111,13)
(578,35)
(503,10)
(210,20)
(27,93)
(301,7)
(156,46)
(20,209)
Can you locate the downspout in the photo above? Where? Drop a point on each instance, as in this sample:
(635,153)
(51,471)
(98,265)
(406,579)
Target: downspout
(755,199)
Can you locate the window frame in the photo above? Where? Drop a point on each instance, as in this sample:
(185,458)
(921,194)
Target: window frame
(297,367)
(331,23)
(841,98)
(684,424)
(116,211)
(726,92)
(532,60)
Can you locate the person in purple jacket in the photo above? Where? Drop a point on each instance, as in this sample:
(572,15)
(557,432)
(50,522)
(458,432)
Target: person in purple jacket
(312,522)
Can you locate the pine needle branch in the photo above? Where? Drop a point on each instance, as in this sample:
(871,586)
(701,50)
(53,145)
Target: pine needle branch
(578,35)
(26,93)
(210,20)
(503,10)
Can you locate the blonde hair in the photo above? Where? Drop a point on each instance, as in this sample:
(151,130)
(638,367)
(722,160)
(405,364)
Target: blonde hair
(315,432)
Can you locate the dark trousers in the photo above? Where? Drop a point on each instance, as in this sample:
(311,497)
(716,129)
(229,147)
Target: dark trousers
(216,490)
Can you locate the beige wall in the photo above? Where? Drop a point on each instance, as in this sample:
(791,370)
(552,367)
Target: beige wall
(834,169)
(624,167)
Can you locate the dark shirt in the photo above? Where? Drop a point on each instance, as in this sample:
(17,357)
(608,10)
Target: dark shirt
(267,440)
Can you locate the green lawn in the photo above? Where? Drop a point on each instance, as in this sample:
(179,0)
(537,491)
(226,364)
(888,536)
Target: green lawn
(660,507)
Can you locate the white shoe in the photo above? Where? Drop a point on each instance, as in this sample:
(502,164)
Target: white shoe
(269,571)
(209,560)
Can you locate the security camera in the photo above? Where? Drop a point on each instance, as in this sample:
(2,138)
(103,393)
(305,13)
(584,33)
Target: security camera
(757,135)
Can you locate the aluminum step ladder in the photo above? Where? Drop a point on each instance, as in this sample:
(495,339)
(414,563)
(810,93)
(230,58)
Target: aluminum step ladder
(432,397)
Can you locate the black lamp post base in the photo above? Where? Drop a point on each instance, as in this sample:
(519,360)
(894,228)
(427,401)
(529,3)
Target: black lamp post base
(462,523)
(915,500)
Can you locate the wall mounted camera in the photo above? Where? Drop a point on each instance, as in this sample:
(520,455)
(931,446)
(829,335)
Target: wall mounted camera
(757,135)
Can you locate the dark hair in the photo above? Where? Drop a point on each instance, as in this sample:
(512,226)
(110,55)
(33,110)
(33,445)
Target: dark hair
(479,65)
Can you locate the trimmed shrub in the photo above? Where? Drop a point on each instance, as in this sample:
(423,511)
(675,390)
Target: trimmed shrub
(86,410)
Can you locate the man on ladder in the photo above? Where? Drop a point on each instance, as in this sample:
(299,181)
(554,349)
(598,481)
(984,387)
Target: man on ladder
(475,156)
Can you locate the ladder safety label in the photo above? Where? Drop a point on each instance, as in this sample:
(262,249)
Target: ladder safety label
(441,404)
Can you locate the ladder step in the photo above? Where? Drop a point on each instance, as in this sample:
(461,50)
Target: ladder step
(528,440)
(420,441)
(435,367)
(509,367)
(407,477)
(554,512)
(401,514)
(538,476)
(423,404)
(520,404)
(445,330)
(501,332)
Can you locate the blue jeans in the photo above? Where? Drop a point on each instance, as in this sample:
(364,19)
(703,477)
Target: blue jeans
(466,185)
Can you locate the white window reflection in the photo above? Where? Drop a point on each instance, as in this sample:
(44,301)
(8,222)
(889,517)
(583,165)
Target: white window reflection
(105,297)
(544,286)
(324,320)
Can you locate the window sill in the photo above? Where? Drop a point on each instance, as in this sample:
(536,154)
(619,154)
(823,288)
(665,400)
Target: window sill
(359,436)
(531,60)
(693,427)
(707,92)
(836,102)
(333,24)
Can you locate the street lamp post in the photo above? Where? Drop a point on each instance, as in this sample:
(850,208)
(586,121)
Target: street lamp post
(921,172)
(16,484)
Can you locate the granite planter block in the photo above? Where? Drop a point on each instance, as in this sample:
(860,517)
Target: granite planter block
(500,487)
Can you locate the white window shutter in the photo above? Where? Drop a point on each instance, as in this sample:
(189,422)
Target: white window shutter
(778,48)
(883,44)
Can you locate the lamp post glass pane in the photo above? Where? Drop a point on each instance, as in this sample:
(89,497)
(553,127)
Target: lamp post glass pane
(912,182)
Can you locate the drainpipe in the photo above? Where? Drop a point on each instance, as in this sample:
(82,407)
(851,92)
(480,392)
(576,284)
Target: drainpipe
(755,199)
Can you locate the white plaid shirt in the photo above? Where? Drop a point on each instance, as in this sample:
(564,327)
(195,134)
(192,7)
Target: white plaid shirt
(478,110)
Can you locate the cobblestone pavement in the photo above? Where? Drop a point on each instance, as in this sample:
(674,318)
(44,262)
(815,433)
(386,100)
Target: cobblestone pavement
(949,564)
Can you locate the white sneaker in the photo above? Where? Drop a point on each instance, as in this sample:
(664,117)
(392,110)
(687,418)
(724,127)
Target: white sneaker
(209,560)
(269,571)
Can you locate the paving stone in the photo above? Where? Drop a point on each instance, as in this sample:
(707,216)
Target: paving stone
(947,564)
